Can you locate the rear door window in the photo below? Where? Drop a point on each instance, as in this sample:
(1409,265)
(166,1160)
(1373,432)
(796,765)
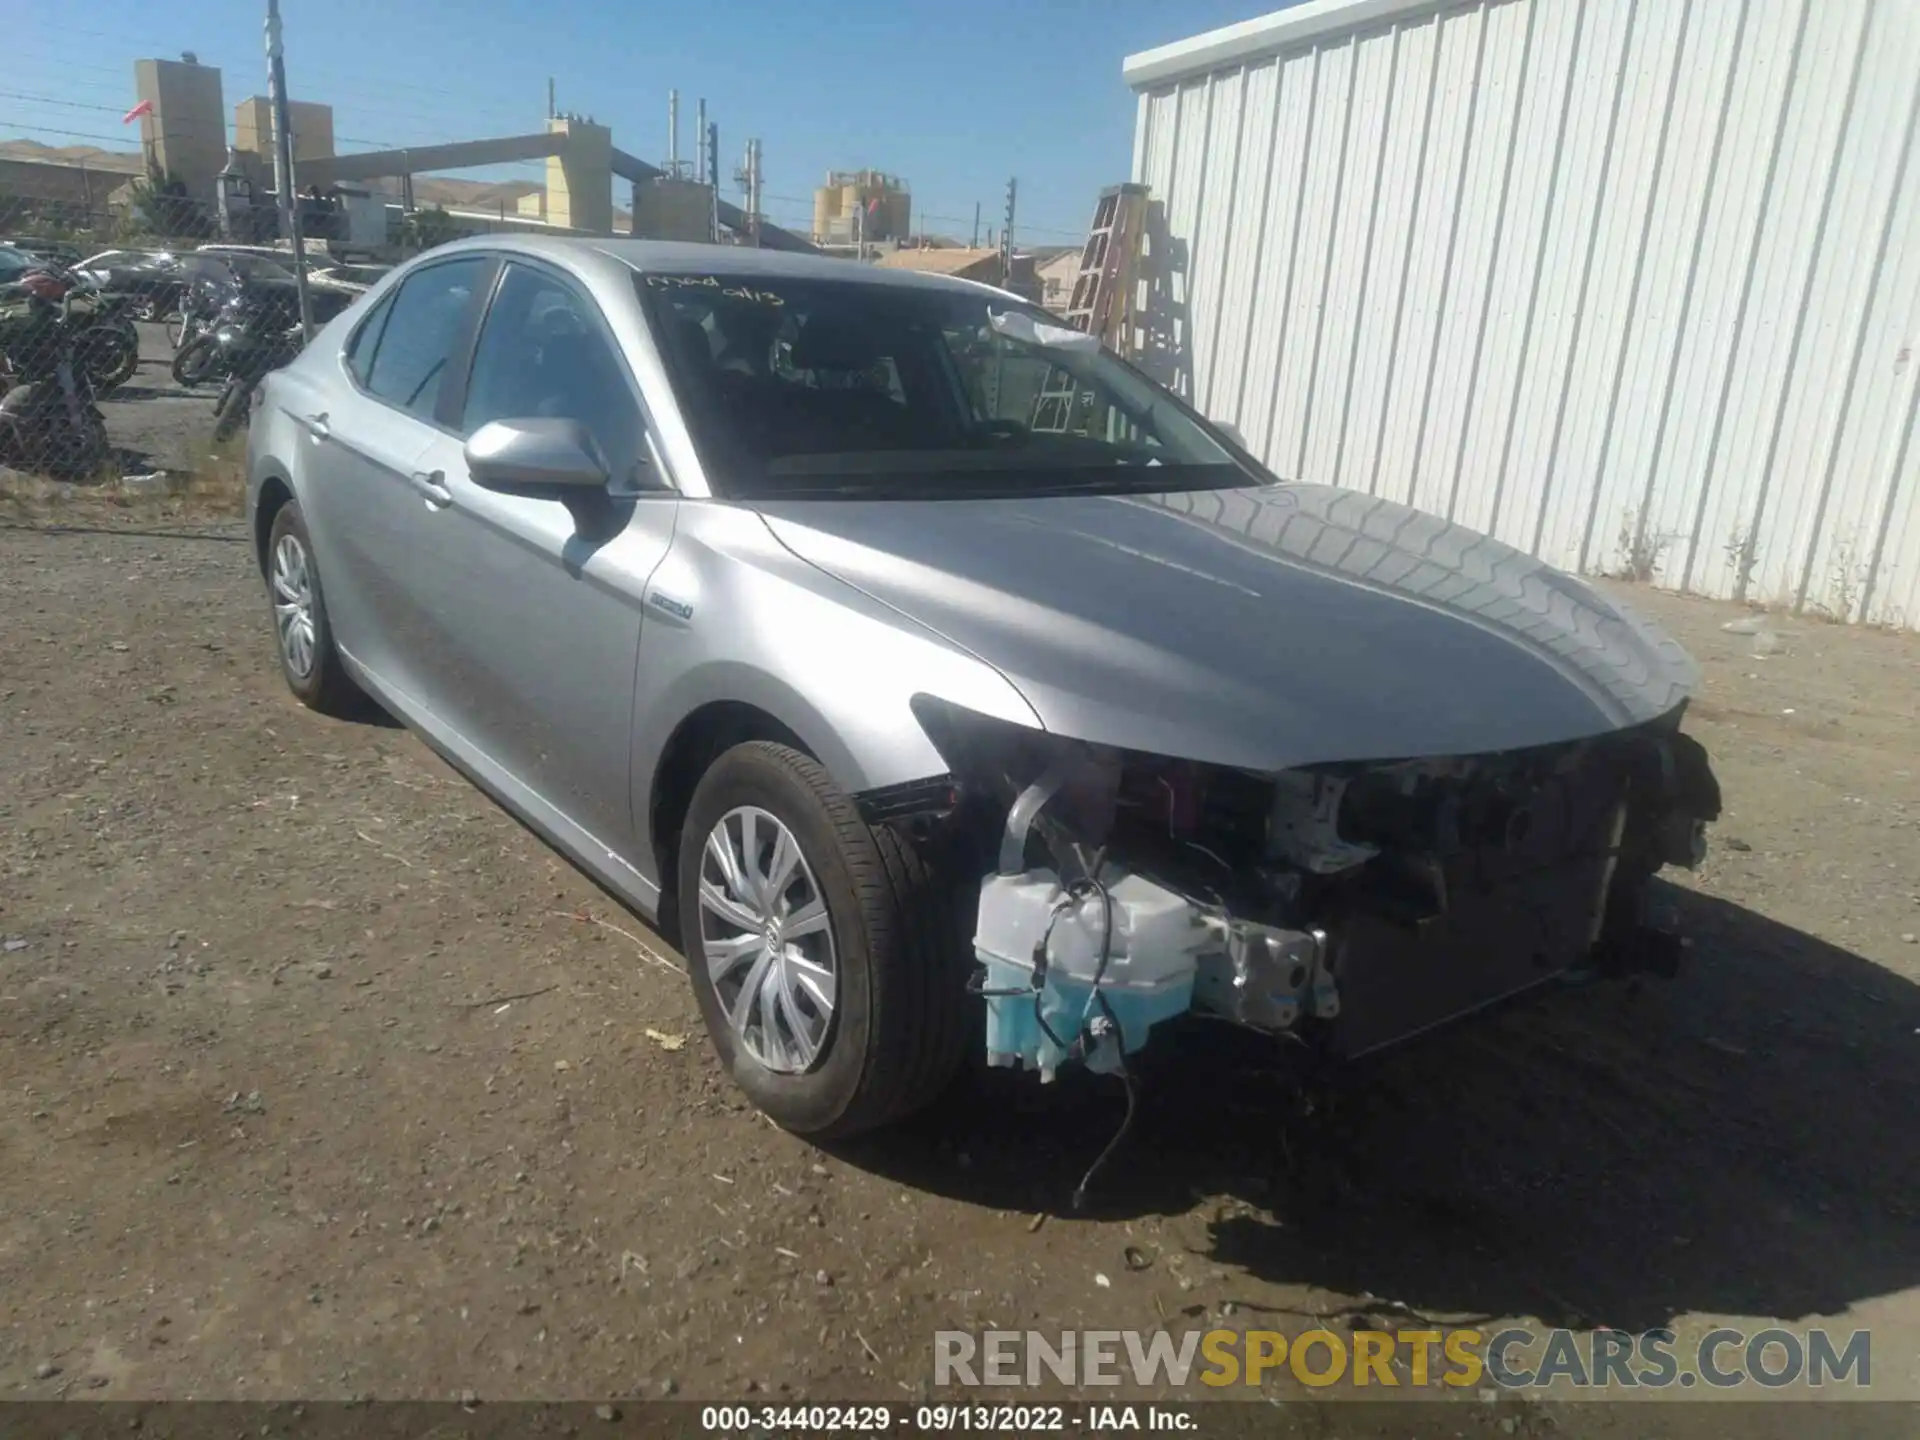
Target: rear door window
(425,322)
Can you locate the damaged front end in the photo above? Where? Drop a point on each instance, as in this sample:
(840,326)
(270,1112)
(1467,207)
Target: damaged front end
(1349,905)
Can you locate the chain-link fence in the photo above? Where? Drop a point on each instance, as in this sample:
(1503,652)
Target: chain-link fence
(138,364)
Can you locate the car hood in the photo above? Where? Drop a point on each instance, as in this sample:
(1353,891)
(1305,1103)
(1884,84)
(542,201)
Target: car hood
(1264,627)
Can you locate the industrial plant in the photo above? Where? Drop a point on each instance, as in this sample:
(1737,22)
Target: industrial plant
(224,171)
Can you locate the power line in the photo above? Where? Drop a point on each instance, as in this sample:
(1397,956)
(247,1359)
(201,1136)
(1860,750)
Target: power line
(96,135)
(122,38)
(115,110)
(384,93)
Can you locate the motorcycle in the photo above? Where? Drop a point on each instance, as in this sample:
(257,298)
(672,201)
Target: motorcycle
(106,344)
(201,305)
(181,320)
(248,354)
(240,294)
(48,419)
(107,347)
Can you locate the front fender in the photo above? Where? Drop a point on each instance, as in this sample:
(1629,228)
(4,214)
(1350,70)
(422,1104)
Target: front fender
(733,615)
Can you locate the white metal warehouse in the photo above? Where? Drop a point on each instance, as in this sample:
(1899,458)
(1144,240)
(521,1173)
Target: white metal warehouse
(1633,284)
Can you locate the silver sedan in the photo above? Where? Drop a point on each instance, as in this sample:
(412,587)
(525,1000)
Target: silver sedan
(940,682)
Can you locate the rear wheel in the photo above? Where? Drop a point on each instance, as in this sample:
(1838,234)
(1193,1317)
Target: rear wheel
(308,657)
(821,955)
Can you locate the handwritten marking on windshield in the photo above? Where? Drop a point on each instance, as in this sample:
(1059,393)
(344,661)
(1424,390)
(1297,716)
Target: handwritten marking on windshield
(712,282)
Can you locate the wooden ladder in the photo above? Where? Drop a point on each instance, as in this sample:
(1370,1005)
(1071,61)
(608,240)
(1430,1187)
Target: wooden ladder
(1101,297)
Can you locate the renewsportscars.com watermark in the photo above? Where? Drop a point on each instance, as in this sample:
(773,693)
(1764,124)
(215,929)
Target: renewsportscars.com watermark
(1517,1358)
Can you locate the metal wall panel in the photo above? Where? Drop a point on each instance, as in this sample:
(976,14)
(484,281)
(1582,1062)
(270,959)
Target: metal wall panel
(1632,284)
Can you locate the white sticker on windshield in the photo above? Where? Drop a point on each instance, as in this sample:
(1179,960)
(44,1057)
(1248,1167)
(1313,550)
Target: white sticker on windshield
(1055,337)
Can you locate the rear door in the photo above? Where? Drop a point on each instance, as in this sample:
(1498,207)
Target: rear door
(538,602)
(372,507)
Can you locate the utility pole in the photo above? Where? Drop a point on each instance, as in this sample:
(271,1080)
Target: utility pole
(1006,234)
(283,181)
(550,111)
(700,144)
(748,178)
(757,179)
(673,134)
(974,243)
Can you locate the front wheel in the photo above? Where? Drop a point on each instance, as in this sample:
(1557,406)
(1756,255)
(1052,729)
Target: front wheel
(109,354)
(820,949)
(196,360)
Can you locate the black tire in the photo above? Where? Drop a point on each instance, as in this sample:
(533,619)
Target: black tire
(236,403)
(82,453)
(324,684)
(110,355)
(196,360)
(901,1011)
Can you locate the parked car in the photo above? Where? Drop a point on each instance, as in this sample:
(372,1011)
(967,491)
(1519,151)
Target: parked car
(52,251)
(357,278)
(16,263)
(153,278)
(905,655)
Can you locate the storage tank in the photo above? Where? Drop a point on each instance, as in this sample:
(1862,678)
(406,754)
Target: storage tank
(896,213)
(826,209)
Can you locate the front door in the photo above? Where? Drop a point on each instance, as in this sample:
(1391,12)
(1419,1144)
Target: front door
(539,603)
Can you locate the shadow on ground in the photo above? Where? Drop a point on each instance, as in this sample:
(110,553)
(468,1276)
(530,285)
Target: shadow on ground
(1744,1140)
(158,392)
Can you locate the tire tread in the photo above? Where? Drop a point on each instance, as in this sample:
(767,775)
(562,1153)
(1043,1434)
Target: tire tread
(917,1027)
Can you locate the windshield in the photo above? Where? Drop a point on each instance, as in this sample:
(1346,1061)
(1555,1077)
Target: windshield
(801,386)
(226,265)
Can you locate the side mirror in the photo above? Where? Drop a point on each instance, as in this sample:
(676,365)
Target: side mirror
(533,455)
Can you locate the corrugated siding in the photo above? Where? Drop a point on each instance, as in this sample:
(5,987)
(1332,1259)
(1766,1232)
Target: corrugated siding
(1632,284)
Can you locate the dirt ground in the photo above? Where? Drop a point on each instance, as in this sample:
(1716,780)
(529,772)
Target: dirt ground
(156,426)
(274,1127)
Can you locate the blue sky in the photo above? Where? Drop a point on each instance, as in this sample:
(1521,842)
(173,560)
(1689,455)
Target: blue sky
(955,95)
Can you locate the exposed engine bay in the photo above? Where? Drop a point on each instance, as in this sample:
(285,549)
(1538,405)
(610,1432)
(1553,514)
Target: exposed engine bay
(1348,905)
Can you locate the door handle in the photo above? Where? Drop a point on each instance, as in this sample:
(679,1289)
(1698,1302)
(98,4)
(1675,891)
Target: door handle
(432,487)
(316,425)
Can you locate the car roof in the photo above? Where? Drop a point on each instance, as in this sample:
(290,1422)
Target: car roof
(662,257)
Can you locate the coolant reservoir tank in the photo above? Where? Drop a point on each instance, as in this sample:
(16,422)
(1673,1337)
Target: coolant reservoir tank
(1148,976)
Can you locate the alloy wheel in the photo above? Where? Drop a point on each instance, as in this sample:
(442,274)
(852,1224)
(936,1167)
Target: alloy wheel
(293,604)
(766,940)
